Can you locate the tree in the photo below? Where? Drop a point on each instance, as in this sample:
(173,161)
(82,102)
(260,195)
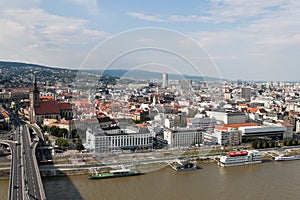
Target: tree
(294,142)
(74,133)
(255,144)
(62,143)
(45,128)
(46,138)
(272,144)
(62,132)
(265,144)
(259,145)
(79,147)
(54,130)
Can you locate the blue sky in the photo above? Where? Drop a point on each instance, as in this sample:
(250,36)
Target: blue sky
(234,39)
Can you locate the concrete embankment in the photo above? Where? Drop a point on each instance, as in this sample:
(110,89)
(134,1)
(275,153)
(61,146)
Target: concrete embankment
(4,173)
(64,172)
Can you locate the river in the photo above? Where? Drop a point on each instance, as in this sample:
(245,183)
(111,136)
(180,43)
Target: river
(269,180)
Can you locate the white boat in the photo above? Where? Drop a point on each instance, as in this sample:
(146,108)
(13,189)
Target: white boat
(285,157)
(240,158)
(183,165)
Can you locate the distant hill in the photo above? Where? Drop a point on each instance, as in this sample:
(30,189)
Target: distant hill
(8,64)
(18,75)
(130,74)
(141,74)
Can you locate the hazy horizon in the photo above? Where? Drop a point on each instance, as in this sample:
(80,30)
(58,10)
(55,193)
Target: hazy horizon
(252,41)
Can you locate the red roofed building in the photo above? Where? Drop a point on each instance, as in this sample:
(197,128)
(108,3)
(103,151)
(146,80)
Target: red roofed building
(49,109)
(256,113)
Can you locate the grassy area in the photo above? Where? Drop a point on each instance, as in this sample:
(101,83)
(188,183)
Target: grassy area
(190,153)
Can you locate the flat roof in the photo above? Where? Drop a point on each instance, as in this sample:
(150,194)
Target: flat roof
(240,125)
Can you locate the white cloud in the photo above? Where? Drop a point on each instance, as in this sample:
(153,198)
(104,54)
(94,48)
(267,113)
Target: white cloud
(219,11)
(33,35)
(145,17)
(233,10)
(169,18)
(91,5)
(265,47)
(52,28)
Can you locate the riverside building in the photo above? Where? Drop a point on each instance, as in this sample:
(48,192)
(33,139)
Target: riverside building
(183,137)
(102,141)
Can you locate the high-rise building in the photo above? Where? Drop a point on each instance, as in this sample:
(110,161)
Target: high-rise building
(246,93)
(165,80)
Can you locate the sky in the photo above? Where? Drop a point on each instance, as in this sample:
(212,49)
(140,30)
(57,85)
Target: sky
(232,39)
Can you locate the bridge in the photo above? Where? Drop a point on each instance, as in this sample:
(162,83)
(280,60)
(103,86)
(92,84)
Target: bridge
(25,181)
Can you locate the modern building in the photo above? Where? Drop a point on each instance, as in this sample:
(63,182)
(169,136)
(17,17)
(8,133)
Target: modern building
(205,123)
(228,117)
(165,80)
(223,136)
(252,130)
(183,137)
(246,93)
(103,141)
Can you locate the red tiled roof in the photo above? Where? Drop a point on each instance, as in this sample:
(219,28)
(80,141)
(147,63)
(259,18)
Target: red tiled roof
(240,125)
(65,106)
(46,97)
(5,115)
(254,110)
(47,107)
(142,125)
(221,128)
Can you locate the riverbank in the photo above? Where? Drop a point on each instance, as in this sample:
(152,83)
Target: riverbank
(84,168)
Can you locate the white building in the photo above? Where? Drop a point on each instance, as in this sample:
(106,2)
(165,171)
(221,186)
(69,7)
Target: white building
(227,136)
(298,126)
(228,117)
(183,137)
(224,136)
(165,80)
(265,130)
(101,141)
(279,130)
(205,123)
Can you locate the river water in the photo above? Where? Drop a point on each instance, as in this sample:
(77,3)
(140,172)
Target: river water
(269,180)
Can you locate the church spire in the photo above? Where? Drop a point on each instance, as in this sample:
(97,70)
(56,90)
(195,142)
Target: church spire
(34,96)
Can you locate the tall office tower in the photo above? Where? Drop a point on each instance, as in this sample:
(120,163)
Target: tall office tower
(246,93)
(165,80)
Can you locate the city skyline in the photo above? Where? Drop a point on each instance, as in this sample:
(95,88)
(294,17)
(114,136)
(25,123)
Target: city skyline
(255,40)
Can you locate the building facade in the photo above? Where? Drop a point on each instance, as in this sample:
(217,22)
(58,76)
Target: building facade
(183,137)
(104,141)
(228,117)
(165,80)
(246,93)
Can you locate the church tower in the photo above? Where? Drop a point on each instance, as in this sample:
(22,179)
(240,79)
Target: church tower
(34,97)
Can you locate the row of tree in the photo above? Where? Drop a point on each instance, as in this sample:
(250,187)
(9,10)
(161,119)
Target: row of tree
(271,144)
(55,131)
(60,141)
(291,142)
(264,144)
